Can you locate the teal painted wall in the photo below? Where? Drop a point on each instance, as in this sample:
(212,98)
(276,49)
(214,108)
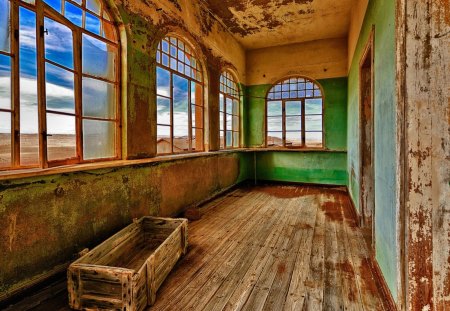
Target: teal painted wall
(381,14)
(307,167)
(300,166)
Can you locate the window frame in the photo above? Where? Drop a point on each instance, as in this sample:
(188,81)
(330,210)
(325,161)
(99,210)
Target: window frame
(303,115)
(42,10)
(199,69)
(224,113)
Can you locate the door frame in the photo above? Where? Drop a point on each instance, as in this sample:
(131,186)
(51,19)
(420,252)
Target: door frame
(368,52)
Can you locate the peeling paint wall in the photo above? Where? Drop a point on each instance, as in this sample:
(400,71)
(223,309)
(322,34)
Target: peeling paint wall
(425,93)
(357,13)
(381,14)
(264,23)
(45,221)
(302,166)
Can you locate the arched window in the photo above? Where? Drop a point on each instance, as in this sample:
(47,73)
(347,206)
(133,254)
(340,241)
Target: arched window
(229,112)
(294,114)
(179,89)
(59,69)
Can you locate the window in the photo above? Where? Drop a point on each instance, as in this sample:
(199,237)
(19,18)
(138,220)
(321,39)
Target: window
(179,90)
(58,83)
(229,112)
(294,114)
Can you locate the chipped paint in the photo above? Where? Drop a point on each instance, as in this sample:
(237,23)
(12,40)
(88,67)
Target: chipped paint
(255,22)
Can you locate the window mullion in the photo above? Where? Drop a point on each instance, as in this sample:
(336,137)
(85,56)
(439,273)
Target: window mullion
(171,112)
(77,54)
(41,85)
(303,124)
(283,121)
(15,84)
(189,117)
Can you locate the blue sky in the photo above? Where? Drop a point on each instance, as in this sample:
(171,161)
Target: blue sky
(97,61)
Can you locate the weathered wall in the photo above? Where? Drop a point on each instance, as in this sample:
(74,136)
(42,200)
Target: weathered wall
(144,24)
(318,59)
(301,166)
(381,14)
(424,92)
(305,167)
(45,221)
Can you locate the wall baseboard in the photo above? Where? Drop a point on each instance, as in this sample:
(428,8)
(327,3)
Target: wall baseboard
(18,292)
(388,300)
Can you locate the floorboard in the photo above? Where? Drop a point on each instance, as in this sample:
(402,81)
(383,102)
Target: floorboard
(274,247)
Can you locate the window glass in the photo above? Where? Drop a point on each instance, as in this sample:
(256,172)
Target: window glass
(229,111)
(29,120)
(93,102)
(5,23)
(179,98)
(295,114)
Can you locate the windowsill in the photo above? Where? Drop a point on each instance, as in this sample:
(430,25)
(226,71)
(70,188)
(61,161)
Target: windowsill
(36,172)
(301,150)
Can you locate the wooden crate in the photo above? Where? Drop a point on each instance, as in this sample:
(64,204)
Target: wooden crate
(125,271)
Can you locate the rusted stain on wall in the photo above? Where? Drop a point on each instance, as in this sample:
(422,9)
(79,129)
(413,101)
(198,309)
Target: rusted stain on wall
(427,109)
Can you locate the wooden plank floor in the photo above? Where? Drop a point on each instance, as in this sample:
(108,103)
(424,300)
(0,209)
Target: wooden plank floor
(269,248)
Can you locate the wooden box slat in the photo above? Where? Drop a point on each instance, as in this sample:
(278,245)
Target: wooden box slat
(125,271)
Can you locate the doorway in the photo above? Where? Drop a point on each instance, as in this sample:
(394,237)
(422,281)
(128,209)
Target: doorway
(366,128)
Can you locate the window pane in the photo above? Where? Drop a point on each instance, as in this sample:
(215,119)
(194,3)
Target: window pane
(274,139)
(313,123)
(229,120)
(180,114)
(93,5)
(73,14)
(313,139)
(293,139)
(293,123)
(274,124)
(29,124)
(108,31)
(5,82)
(163,110)
(274,108)
(5,139)
(99,99)
(235,107)
(229,105)
(58,43)
(98,139)
(221,118)
(229,140)
(55,4)
(163,143)
(197,116)
(162,82)
(293,108)
(221,102)
(5,26)
(59,89)
(99,58)
(236,139)
(92,23)
(197,139)
(313,106)
(235,123)
(221,137)
(61,142)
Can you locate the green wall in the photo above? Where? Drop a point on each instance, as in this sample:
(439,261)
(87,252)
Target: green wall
(325,167)
(381,14)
